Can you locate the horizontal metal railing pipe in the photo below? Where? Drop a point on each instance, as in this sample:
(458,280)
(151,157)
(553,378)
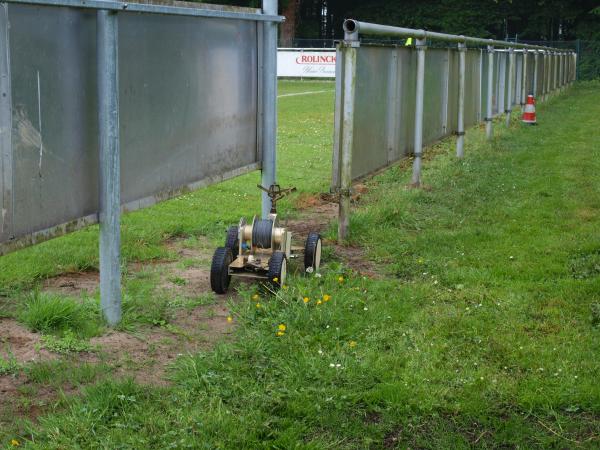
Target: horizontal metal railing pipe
(150,8)
(353,28)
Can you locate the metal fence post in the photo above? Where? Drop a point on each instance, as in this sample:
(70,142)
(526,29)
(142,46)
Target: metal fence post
(110,186)
(269,103)
(511,75)
(349,54)
(489,131)
(460,134)
(524,79)
(418,147)
(536,68)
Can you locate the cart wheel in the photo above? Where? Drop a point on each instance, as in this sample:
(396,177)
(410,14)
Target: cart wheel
(232,242)
(312,252)
(277,269)
(219,270)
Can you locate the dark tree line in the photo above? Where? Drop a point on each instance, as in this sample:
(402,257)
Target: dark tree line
(537,20)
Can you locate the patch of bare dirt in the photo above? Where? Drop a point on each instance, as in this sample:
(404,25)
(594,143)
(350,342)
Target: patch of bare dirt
(357,259)
(317,218)
(21,344)
(182,281)
(22,399)
(73,284)
(586,214)
(187,282)
(320,212)
(148,355)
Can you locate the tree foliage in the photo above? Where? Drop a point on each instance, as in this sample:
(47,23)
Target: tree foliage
(544,20)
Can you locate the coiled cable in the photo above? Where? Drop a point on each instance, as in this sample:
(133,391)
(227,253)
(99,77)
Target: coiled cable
(261,233)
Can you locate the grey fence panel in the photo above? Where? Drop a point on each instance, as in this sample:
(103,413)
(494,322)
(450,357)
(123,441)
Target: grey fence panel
(54,118)
(530,73)
(502,81)
(188,112)
(495,83)
(188,104)
(370,151)
(436,85)
(473,87)
(518,78)
(388,118)
(403,124)
(451,119)
(539,76)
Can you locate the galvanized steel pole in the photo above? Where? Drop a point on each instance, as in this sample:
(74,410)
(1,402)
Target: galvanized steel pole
(269,104)
(349,94)
(460,139)
(418,146)
(110,186)
(511,77)
(490,89)
(352,26)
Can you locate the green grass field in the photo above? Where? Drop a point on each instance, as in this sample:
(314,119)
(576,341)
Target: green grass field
(481,328)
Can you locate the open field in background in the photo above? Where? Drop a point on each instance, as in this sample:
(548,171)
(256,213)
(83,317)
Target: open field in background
(473,321)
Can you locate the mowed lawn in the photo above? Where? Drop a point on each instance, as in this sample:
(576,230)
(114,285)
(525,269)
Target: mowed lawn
(479,326)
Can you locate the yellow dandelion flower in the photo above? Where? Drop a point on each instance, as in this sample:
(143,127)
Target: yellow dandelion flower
(280,333)
(341,279)
(229,319)
(306,299)
(258,305)
(319,302)
(281,327)
(352,344)
(326,297)
(420,260)
(255,297)
(275,279)
(15,443)
(285,287)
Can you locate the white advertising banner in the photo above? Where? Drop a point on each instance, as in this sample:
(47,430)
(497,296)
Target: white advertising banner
(309,63)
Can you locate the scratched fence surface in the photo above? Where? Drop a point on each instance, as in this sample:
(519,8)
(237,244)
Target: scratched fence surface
(189,112)
(384,108)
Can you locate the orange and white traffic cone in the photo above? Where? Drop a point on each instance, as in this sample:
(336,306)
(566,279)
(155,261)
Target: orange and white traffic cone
(529,111)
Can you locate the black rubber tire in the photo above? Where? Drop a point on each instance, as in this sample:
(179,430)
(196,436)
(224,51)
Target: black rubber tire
(219,270)
(232,242)
(313,242)
(277,265)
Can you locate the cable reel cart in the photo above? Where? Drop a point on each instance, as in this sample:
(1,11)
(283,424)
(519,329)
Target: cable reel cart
(260,250)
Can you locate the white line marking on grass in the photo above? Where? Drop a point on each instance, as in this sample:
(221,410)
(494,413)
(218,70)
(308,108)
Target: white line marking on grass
(304,93)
